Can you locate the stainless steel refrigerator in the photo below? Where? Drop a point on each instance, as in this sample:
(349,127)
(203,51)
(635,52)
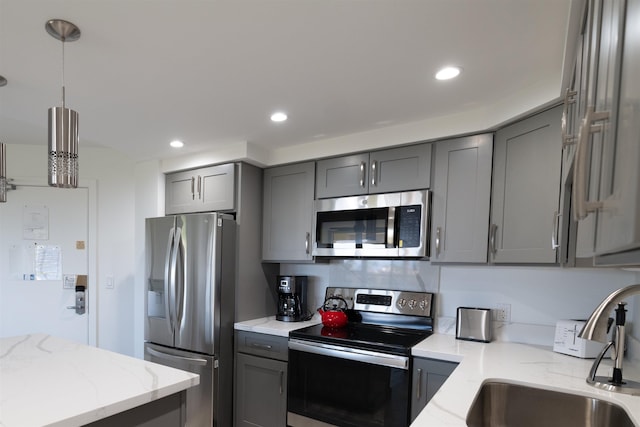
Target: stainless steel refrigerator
(189,306)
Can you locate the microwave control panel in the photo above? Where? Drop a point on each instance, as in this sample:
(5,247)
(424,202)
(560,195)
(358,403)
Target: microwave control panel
(408,226)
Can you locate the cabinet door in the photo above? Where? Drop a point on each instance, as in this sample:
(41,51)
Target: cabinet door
(180,189)
(217,188)
(526,186)
(461,197)
(619,218)
(288,213)
(428,376)
(596,148)
(201,190)
(342,176)
(261,391)
(400,169)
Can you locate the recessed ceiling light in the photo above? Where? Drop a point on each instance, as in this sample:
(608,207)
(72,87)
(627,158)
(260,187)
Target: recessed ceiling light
(278,117)
(447,73)
(176,143)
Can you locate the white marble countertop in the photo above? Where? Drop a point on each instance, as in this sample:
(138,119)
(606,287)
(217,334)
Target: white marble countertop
(510,362)
(271,326)
(48,381)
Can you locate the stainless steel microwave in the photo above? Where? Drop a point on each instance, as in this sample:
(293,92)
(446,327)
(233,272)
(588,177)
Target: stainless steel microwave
(391,225)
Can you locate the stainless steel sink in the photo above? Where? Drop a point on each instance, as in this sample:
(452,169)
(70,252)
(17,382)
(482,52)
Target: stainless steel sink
(506,405)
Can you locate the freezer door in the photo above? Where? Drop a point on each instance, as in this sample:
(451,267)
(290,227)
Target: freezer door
(159,256)
(198,283)
(200,399)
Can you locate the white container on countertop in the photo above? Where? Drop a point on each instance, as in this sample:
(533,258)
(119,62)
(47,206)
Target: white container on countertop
(567,341)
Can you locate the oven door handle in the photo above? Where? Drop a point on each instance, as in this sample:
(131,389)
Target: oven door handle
(355,354)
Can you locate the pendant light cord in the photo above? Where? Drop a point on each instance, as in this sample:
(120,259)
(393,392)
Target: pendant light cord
(63,95)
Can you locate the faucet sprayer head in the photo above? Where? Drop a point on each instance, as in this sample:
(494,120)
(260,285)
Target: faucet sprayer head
(597,325)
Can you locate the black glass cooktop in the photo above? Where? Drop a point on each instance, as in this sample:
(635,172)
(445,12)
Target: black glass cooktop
(387,339)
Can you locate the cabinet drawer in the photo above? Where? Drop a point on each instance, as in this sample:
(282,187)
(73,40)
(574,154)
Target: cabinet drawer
(272,346)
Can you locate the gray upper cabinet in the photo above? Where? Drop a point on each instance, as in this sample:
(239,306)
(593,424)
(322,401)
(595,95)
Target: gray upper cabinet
(460,205)
(618,228)
(201,190)
(288,212)
(606,199)
(396,169)
(526,186)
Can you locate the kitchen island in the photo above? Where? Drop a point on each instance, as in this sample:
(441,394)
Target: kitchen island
(48,381)
(530,365)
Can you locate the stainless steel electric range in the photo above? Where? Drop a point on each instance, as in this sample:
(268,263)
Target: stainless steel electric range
(358,375)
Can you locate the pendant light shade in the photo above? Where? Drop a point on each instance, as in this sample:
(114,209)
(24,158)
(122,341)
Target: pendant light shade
(63,147)
(63,122)
(3,173)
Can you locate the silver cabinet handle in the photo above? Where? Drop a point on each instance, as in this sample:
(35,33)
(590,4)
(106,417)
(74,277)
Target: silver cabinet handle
(438,232)
(193,188)
(492,239)
(199,187)
(363,167)
(281,382)
(569,98)
(419,386)
(554,231)
(374,166)
(580,177)
(307,243)
(261,346)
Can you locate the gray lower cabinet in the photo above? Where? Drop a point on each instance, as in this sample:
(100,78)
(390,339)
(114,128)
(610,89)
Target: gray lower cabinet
(201,190)
(461,194)
(396,169)
(288,212)
(526,186)
(427,378)
(261,380)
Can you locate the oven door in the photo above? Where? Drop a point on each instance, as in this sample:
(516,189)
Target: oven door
(330,385)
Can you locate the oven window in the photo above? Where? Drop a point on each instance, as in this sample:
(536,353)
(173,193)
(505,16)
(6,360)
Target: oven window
(355,228)
(347,393)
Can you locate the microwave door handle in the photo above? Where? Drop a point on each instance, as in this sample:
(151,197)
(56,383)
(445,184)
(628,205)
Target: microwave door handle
(393,238)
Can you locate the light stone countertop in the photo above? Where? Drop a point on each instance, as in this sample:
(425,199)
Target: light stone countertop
(48,381)
(510,362)
(271,326)
(478,362)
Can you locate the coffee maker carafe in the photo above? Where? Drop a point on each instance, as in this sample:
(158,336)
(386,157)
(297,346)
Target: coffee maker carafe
(292,298)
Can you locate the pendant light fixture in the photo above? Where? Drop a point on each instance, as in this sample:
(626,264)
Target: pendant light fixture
(63,122)
(3,172)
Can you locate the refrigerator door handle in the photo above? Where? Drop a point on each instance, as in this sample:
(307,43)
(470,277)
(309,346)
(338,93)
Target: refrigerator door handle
(179,277)
(167,356)
(168,279)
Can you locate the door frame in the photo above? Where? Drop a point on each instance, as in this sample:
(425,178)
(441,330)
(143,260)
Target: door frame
(92,247)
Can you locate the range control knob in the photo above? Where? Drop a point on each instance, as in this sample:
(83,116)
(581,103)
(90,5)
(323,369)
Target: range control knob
(423,305)
(402,302)
(412,304)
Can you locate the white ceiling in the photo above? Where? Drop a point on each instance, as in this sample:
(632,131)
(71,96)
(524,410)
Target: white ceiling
(210,72)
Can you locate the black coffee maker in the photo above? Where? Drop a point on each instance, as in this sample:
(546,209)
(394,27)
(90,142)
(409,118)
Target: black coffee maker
(292,299)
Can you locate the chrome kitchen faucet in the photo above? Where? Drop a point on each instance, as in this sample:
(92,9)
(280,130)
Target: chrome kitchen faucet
(596,329)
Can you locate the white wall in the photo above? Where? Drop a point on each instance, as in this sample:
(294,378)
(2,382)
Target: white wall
(538,295)
(114,175)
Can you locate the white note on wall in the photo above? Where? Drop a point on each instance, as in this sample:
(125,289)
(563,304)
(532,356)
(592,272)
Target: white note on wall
(48,262)
(35,223)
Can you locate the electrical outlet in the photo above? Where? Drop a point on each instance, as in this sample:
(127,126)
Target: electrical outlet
(502,312)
